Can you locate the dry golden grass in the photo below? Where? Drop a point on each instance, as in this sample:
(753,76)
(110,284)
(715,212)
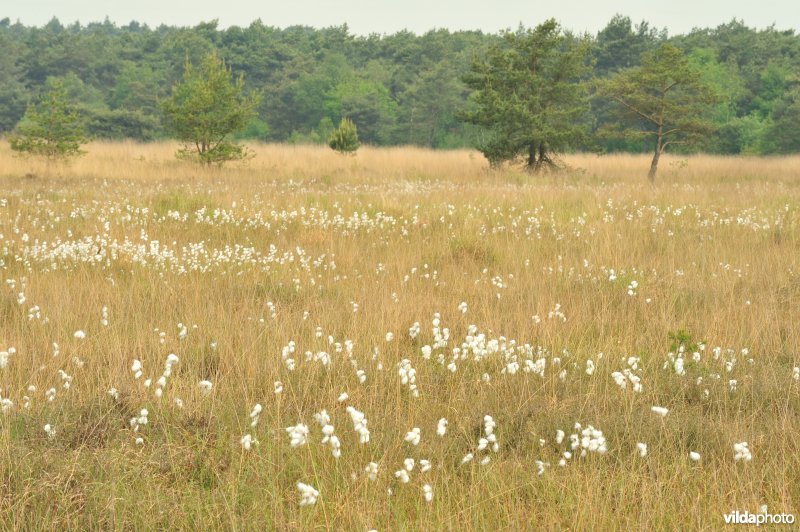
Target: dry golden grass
(156,161)
(403,233)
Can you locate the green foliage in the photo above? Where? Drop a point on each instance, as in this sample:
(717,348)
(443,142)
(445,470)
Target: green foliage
(427,109)
(529,97)
(681,338)
(663,100)
(121,124)
(137,88)
(51,128)
(368,103)
(13,97)
(255,129)
(206,108)
(783,136)
(318,135)
(620,44)
(344,138)
(400,89)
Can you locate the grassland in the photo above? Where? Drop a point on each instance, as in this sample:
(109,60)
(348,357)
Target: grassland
(293,269)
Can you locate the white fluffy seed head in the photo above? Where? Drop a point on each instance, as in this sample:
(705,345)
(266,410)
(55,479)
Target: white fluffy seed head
(413,436)
(205,387)
(660,410)
(642,448)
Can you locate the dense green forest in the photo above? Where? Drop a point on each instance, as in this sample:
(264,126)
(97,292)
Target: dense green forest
(399,89)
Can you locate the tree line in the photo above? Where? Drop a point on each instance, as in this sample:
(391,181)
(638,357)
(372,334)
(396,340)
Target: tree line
(424,90)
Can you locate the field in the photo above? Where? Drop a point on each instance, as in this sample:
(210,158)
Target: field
(542,317)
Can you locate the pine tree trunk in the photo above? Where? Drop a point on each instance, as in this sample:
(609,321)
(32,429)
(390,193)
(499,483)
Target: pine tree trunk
(531,166)
(654,164)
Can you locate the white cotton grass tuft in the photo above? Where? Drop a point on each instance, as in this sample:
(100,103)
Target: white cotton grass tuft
(4,357)
(6,405)
(205,387)
(371,471)
(741,452)
(427,493)
(660,410)
(441,427)
(136,368)
(796,373)
(488,424)
(50,431)
(248,442)
(359,424)
(79,335)
(254,414)
(593,441)
(694,456)
(328,436)
(402,476)
(413,436)
(308,495)
(642,448)
(408,376)
(138,421)
(298,435)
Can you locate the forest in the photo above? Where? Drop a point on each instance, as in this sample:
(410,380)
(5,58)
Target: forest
(399,89)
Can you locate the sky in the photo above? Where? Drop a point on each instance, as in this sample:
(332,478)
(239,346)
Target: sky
(383,16)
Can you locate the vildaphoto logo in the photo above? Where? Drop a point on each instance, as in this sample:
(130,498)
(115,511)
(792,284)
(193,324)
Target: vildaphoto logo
(763,518)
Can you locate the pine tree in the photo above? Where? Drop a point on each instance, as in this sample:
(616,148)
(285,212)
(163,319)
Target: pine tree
(206,108)
(51,128)
(529,97)
(344,138)
(663,100)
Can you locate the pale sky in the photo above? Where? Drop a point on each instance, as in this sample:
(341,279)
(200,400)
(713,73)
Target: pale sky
(384,16)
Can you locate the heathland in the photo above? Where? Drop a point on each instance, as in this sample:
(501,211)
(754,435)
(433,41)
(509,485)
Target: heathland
(400,339)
